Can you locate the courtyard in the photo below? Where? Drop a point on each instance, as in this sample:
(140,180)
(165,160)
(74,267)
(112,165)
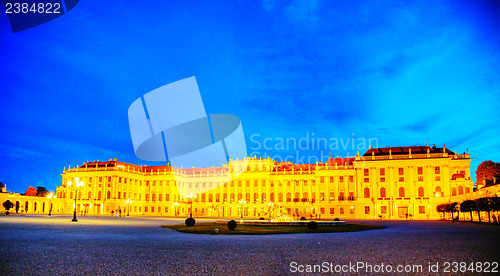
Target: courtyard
(42,245)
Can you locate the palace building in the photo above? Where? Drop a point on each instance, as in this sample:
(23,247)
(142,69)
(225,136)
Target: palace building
(389,183)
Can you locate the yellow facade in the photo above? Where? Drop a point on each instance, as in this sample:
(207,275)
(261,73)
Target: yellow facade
(389,183)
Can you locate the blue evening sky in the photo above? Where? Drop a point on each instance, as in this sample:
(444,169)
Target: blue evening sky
(403,73)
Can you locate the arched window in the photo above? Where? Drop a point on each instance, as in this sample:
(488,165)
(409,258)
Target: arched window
(232,197)
(421,191)
(271,197)
(367,192)
(438,191)
(382,192)
(26,207)
(71,195)
(263,199)
(288,197)
(296,196)
(210,197)
(460,190)
(224,197)
(280,197)
(99,195)
(203,197)
(108,196)
(247,197)
(217,197)
(401,192)
(256,197)
(240,196)
(305,196)
(90,195)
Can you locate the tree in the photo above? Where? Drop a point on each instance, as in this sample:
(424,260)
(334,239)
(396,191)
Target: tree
(468,206)
(41,191)
(7,205)
(31,191)
(484,204)
(487,168)
(441,208)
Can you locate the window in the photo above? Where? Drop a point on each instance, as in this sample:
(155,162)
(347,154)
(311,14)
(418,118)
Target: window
(421,191)
(322,196)
(167,197)
(420,170)
(263,197)
(437,170)
(108,196)
(351,178)
(382,179)
(331,179)
(109,178)
(159,197)
(332,211)
(341,196)
(271,197)
(231,197)
(401,171)
(146,209)
(460,190)
(322,210)
(322,180)
(402,179)
(280,197)
(240,196)
(367,210)
(288,197)
(467,190)
(421,209)
(438,178)
(383,209)
(99,195)
(255,183)
(382,171)
(420,178)
(341,210)
(367,179)
(217,197)
(152,209)
(332,196)
(401,192)
(453,191)
(366,172)
(341,179)
(382,192)
(366,192)
(118,195)
(351,211)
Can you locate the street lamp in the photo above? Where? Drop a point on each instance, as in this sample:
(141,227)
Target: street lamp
(241,201)
(128,201)
(176,204)
(191,196)
(50,196)
(78,184)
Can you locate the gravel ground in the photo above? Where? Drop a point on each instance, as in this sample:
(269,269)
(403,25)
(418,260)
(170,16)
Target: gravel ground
(139,246)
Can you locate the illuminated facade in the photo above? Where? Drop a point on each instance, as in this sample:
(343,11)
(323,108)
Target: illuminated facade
(390,183)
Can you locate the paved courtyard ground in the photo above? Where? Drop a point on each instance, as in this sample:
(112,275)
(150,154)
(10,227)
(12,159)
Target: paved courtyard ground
(135,245)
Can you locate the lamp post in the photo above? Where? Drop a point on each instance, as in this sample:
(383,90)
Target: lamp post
(128,201)
(78,184)
(191,196)
(176,204)
(50,196)
(241,201)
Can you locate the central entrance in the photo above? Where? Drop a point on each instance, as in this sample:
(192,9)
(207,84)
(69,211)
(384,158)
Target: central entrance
(402,212)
